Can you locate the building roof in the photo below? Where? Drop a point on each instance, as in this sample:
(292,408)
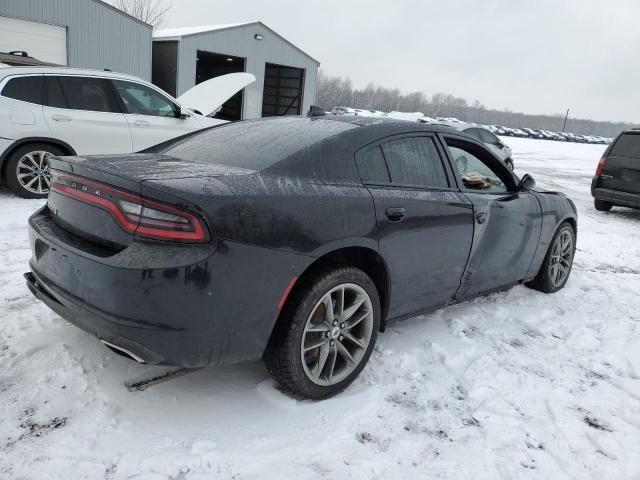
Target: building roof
(185,31)
(179,32)
(108,5)
(15,59)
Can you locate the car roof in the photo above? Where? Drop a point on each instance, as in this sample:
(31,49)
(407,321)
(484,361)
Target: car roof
(35,70)
(392,125)
(460,126)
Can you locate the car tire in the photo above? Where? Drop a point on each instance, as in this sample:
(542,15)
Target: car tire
(306,352)
(601,205)
(509,163)
(558,258)
(30,159)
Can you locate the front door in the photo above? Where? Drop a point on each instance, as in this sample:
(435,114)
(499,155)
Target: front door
(425,226)
(507,221)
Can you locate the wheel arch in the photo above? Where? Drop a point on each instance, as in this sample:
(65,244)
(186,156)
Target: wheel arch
(572,221)
(364,258)
(68,150)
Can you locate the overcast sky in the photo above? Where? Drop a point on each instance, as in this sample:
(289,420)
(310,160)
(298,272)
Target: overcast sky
(533,56)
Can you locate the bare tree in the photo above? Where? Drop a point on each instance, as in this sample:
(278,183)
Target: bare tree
(152,12)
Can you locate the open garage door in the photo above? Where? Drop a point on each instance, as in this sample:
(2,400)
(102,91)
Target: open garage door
(211,65)
(47,43)
(283,87)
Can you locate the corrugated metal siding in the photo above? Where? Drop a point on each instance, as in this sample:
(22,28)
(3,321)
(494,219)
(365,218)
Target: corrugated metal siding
(97,35)
(240,42)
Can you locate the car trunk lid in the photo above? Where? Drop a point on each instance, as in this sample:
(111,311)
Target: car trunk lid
(102,198)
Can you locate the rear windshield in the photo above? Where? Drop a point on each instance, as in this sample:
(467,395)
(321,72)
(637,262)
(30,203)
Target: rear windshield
(628,145)
(254,145)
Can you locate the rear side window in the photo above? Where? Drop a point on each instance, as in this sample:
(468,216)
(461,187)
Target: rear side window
(26,89)
(80,93)
(54,96)
(372,167)
(415,162)
(628,145)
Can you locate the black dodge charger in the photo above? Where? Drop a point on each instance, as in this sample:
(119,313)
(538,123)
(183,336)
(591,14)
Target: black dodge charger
(293,239)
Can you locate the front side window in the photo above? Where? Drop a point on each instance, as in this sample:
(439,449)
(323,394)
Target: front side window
(474,173)
(488,137)
(473,133)
(26,89)
(81,93)
(142,100)
(415,162)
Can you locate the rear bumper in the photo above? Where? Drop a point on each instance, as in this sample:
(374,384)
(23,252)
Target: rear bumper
(623,199)
(166,304)
(97,324)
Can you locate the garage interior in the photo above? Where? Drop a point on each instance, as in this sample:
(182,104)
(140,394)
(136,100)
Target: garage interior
(283,87)
(164,69)
(211,65)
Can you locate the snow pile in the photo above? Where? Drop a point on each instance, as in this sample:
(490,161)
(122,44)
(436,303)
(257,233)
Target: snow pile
(515,385)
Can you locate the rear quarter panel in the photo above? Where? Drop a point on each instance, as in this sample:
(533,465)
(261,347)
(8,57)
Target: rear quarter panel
(292,214)
(268,230)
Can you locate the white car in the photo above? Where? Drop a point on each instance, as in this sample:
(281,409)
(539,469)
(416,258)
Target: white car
(484,135)
(47,111)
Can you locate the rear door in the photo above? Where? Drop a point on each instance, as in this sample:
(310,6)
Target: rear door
(152,117)
(621,170)
(425,225)
(507,221)
(82,112)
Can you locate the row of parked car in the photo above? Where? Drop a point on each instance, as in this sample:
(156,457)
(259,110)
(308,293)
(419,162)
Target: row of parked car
(496,129)
(527,132)
(549,135)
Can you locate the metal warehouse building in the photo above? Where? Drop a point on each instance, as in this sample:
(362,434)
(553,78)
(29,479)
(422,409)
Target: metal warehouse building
(285,75)
(77,33)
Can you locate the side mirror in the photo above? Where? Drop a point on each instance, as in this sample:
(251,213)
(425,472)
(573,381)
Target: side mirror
(184,113)
(526,183)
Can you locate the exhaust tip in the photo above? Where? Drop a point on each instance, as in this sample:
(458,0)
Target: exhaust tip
(122,351)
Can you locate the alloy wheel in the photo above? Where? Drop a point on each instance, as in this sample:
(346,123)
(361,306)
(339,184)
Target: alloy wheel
(32,172)
(561,257)
(337,334)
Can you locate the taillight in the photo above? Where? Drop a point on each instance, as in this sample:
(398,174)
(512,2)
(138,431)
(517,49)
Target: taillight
(600,165)
(135,214)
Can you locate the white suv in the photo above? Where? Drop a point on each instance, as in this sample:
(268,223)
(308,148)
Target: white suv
(48,111)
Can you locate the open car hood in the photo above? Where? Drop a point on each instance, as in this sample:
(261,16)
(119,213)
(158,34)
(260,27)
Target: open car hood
(208,96)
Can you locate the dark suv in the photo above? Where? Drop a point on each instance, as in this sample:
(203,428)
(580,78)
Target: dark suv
(617,178)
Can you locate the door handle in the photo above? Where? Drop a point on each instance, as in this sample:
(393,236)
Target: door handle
(61,118)
(481,217)
(395,214)
(141,123)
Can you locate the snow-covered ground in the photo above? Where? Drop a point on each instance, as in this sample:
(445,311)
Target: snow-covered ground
(515,385)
